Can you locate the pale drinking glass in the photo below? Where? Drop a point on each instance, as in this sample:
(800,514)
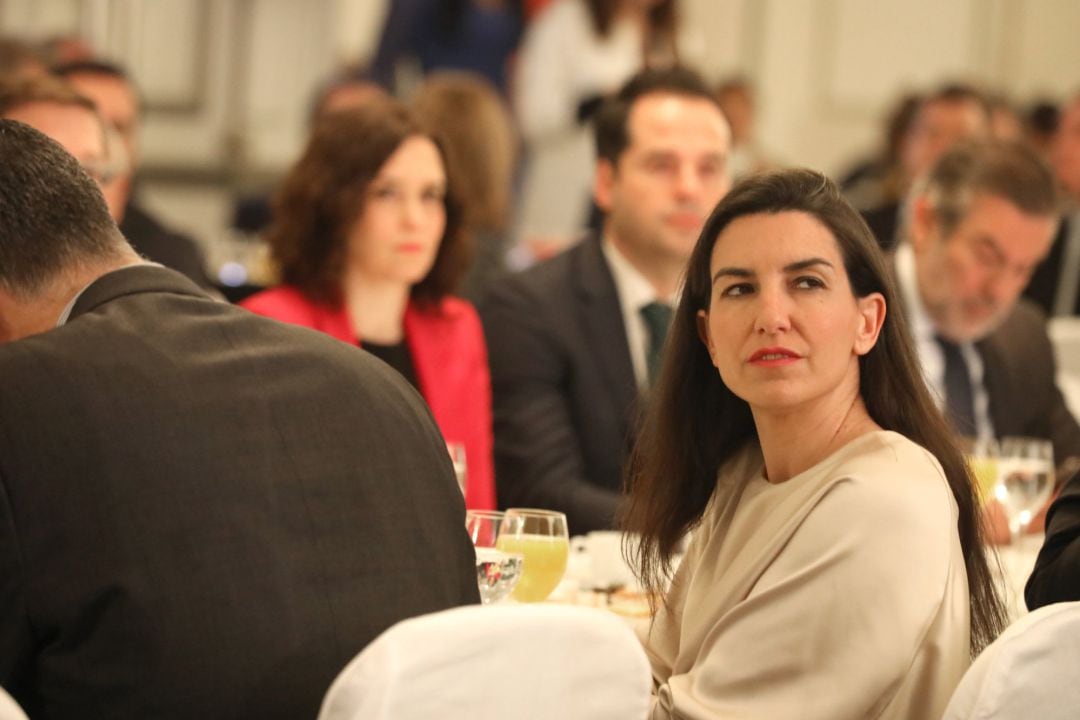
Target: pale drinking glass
(541,537)
(1025,479)
(497,571)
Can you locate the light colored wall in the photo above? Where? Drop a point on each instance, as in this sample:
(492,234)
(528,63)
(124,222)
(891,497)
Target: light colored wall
(229,81)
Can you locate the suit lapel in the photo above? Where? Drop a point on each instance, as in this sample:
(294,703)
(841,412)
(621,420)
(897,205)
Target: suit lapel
(603,323)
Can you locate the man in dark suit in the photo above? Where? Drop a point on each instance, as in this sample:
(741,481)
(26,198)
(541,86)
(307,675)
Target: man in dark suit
(1055,286)
(573,341)
(979,226)
(203,513)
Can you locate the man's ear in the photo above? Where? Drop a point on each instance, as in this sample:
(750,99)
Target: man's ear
(604,184)
(922,223)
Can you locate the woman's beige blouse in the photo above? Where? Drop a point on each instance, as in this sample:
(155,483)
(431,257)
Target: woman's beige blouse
(839,594)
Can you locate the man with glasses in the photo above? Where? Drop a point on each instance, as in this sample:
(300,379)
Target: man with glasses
(56,109)
(978,227)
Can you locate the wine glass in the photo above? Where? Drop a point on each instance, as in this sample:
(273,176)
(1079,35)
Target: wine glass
(541,537)
(1025,479)
(457,457)
(497,571)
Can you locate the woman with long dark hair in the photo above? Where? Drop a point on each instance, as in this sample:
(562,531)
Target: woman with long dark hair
(367,237)
(836,568)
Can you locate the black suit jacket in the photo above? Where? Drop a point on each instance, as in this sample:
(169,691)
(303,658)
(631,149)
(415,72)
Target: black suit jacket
(1056,577)
(1020,381)
(205,513)
(564,392)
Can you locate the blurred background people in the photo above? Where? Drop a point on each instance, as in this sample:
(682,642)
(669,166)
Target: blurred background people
(575,341)
(367,238)
(1041,124)
(878,179)
(476,128)
(574,53)
(112,91)
(53,107)
(1005,120)
(736,98)
(979,226)
(952,113)
(349,88)
(474,35)
(1055,285)
(18,59)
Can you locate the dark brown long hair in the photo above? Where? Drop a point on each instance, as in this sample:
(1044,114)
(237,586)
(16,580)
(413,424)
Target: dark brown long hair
(695,422)
(323,195)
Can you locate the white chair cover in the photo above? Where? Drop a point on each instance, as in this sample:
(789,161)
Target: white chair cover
(527,662)
(9,709)
(1031,671)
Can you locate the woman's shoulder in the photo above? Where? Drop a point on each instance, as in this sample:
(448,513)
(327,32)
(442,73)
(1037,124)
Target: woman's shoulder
(893,480)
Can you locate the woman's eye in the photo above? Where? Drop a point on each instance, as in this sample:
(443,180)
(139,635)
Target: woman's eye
(809,283)
(433,196)
(737,290)
(383,192)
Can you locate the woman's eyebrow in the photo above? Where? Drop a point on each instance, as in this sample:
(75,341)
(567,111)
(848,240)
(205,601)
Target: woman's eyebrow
(804,264)
(732,271)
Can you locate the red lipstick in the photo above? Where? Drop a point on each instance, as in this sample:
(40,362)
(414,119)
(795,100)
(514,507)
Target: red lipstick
(773,357)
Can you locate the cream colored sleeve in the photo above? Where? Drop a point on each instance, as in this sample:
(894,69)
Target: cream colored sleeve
(834,623)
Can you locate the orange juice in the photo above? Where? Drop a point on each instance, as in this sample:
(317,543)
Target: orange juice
(545,562)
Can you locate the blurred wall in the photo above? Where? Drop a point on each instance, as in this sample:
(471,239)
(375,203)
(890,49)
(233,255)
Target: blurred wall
(227,83)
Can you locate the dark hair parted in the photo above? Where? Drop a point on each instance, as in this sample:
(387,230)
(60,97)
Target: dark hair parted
(324,194)
(695,423)
(612,133)
(52,215)
(1006,169)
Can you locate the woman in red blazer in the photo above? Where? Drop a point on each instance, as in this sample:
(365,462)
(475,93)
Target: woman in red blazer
(367,238)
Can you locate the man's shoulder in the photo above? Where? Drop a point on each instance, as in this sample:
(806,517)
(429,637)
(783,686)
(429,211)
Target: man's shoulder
(1024,324)
(553,278)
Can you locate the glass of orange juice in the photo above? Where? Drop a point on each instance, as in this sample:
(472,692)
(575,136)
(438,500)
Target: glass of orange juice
(540,536)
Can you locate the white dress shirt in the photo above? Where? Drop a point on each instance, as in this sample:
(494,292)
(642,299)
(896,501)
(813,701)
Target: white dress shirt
(931,356)
(635,292)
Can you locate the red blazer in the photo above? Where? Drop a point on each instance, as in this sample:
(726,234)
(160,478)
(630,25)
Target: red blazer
(450,357)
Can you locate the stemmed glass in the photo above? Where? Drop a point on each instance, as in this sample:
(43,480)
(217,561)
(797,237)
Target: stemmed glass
(541,537)
(497,571)
(1025,479)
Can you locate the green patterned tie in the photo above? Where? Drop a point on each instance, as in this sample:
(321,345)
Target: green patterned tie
(657,317)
